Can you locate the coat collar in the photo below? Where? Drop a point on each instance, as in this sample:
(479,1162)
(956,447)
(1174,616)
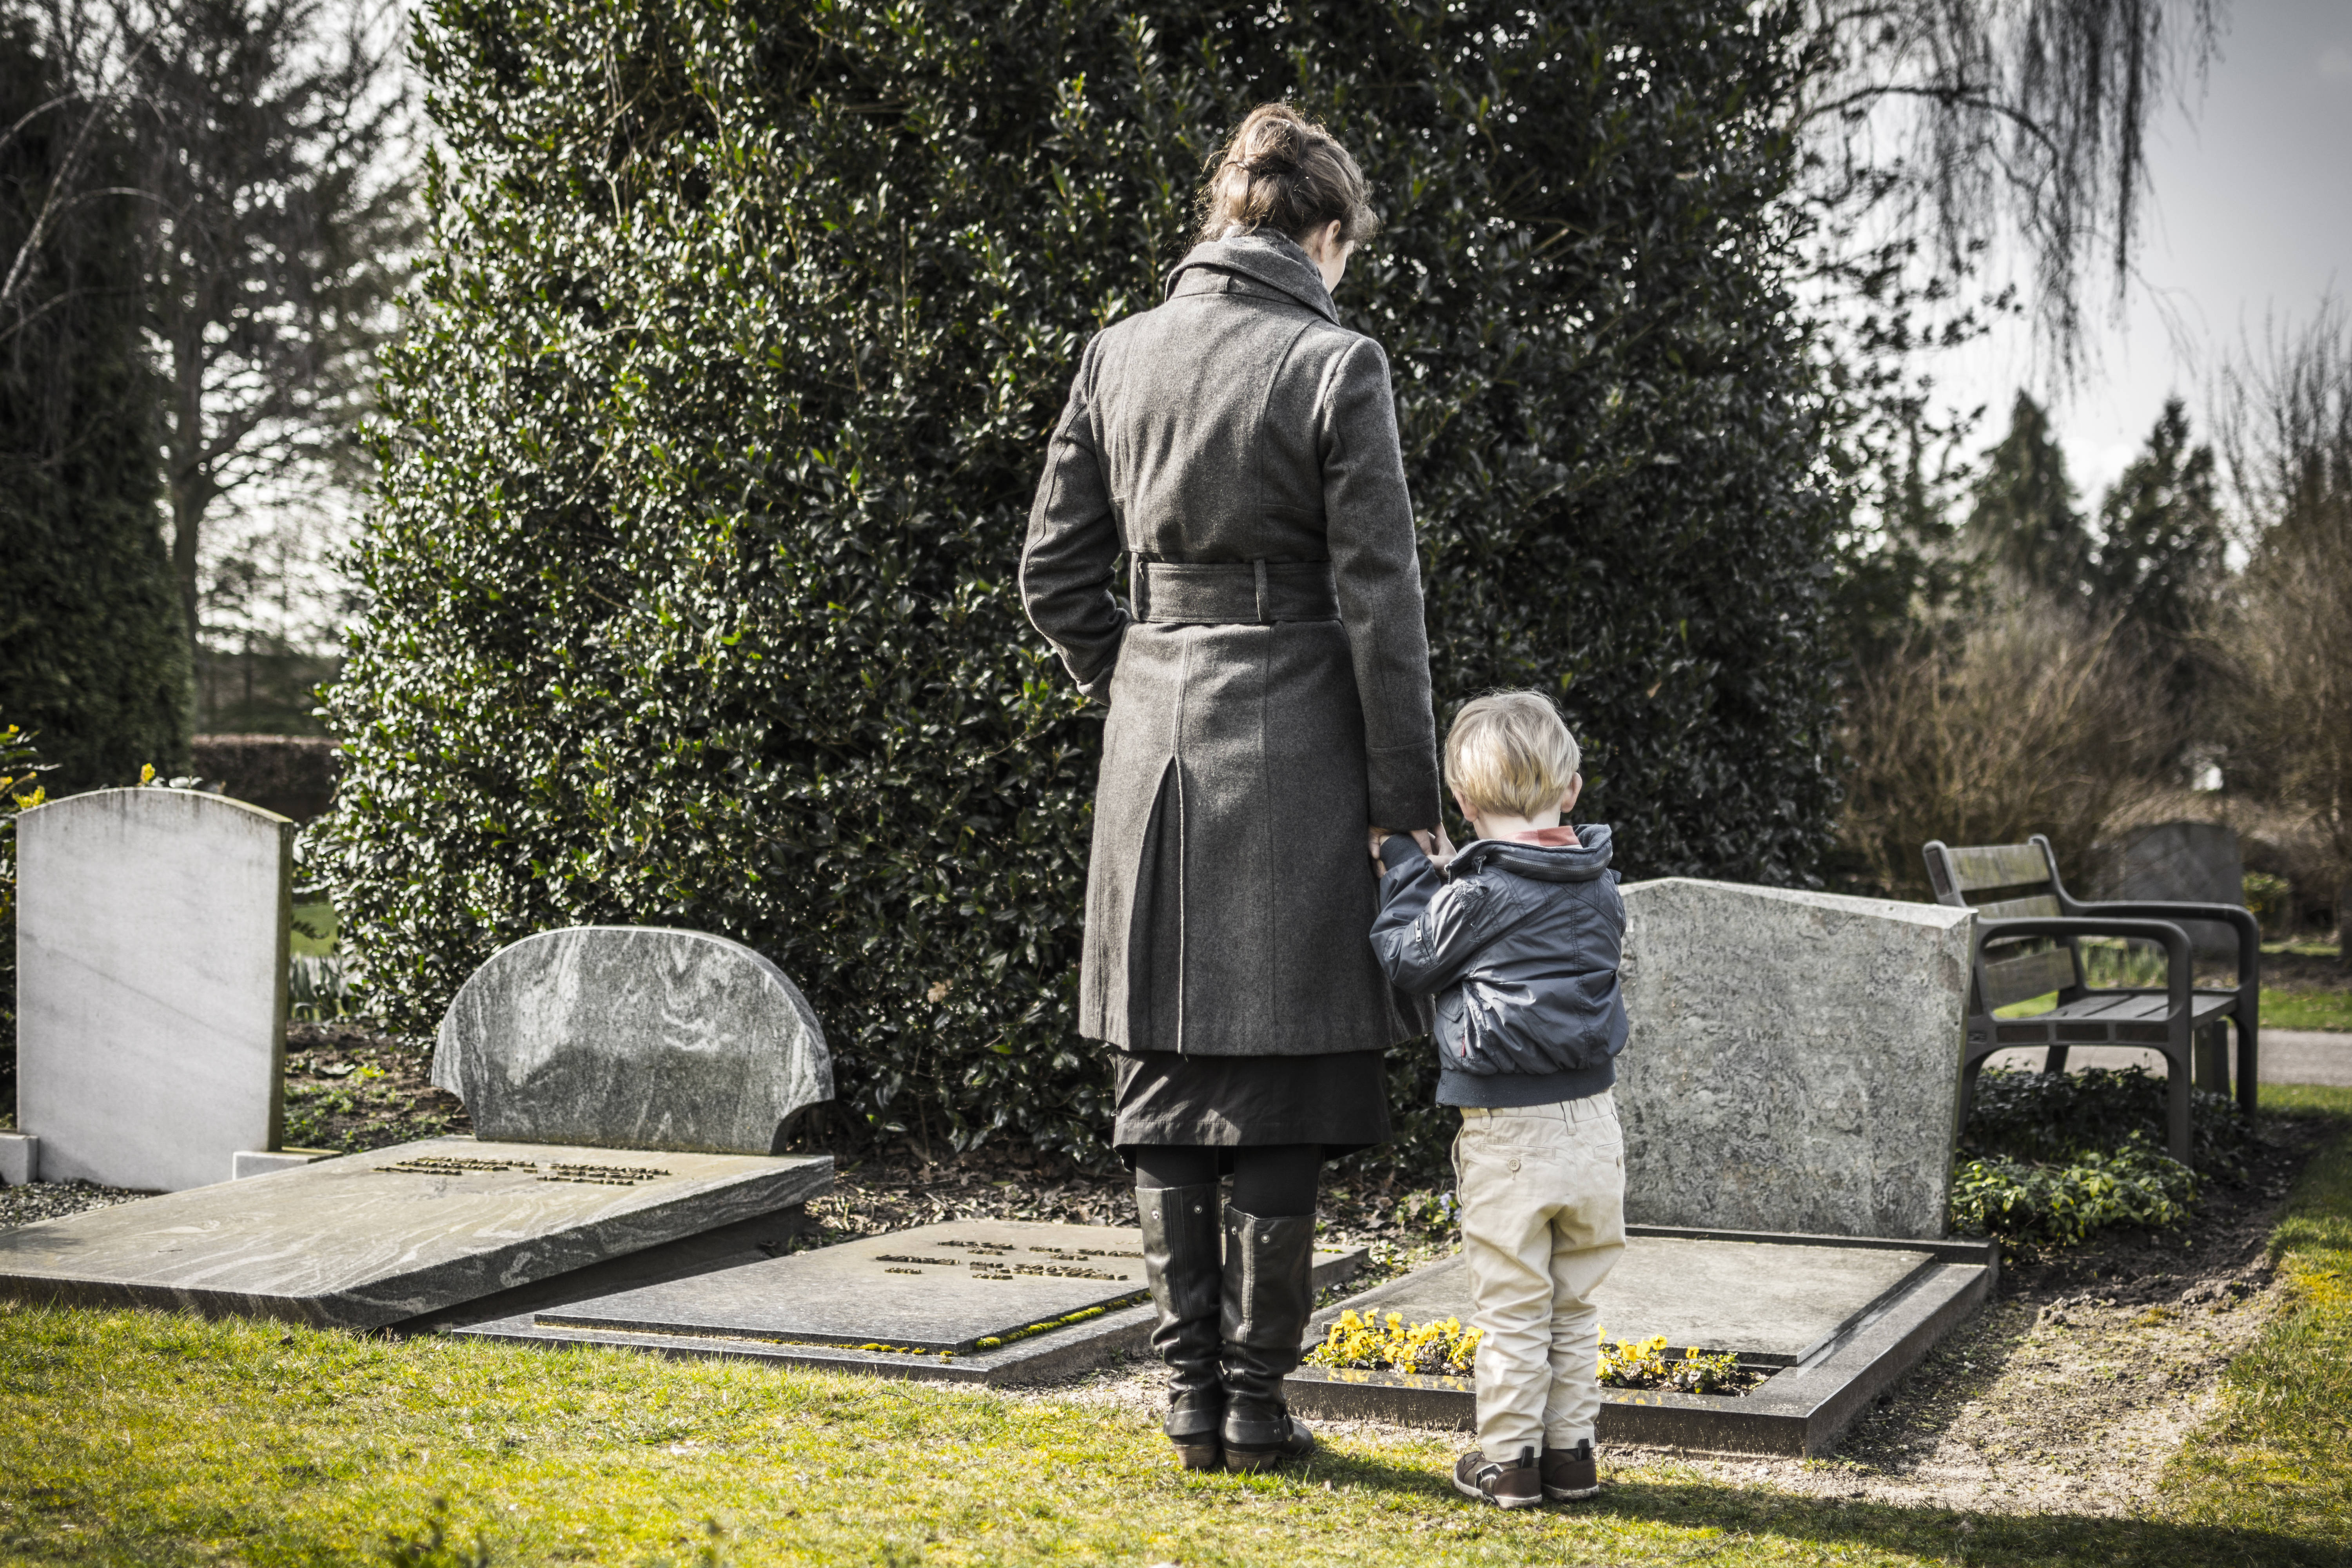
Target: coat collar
(1581,862)
(1272,260)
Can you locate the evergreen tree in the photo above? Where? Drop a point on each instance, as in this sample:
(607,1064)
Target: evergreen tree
(93,660)
(2159,556)
(2024,522)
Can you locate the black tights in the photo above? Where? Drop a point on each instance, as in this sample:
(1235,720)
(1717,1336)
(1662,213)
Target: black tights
(1270,1180)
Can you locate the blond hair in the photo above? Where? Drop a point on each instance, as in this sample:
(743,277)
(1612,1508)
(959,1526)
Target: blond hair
(1509,751)
(1283,171)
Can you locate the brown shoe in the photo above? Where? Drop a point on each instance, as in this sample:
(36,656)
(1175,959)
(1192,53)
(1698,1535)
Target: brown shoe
(1515,1485)
(1570,1473)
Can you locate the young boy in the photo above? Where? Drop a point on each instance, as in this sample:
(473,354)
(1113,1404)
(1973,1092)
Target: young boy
(1519,937)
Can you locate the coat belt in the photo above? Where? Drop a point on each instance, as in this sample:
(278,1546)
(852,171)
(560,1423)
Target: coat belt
(1223,593)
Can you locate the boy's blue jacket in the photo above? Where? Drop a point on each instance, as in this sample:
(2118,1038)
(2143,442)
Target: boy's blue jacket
(1520,943)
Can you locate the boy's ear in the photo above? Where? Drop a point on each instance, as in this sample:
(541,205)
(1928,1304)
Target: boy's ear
(1575,788)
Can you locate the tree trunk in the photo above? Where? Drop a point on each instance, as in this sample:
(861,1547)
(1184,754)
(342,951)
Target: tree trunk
(190,491)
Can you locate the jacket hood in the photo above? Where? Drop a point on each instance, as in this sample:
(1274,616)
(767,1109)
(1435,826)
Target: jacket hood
(1579,862)
(1273,259)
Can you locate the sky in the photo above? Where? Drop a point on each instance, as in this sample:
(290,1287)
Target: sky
(2250,222)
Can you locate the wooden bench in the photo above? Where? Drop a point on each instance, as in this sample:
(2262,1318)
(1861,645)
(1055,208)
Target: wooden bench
(2027,945)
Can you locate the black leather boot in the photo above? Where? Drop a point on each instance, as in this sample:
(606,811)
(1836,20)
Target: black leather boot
(1269,1294)
(1180,1258)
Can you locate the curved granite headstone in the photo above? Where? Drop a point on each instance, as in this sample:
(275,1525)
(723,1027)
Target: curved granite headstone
(633,1038)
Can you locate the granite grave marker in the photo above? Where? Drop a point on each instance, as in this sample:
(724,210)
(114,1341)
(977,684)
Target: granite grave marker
(369,1239)
(1794,1064)
(981,1301)
(1826,1322)
(2179,862)
(633,1038)
(151,935)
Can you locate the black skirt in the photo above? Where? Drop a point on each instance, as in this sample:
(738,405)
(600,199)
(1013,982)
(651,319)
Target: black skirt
(1228,1102)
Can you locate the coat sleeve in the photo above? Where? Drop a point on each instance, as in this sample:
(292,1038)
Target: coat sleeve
(1070,556)
(1428,928)
(1369,518)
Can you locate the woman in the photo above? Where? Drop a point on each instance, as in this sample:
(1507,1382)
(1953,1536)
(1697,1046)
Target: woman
(1269,703)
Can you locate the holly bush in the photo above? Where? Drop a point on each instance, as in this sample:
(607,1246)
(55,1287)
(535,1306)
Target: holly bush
(708,453)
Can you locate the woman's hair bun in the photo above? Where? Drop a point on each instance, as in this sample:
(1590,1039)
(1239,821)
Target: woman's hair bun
(1283,171)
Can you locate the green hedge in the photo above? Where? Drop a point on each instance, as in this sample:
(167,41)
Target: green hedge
(707,460)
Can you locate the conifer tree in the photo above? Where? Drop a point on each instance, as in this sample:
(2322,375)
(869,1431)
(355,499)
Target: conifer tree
(2025,520)
(92,662)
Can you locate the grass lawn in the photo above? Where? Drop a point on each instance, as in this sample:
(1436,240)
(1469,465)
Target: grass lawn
(2281,1009)
(143,1437)
(2280,1457)
(2308,1009)
(318,917)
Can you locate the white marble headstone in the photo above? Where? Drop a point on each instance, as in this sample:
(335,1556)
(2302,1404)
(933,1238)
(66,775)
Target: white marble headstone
(152,933)
(632,1038)
(1794,1064)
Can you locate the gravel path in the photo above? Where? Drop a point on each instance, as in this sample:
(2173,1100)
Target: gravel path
(2067,1394)
(55,1200)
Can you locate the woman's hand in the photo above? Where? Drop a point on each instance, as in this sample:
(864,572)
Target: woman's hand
(1435,847)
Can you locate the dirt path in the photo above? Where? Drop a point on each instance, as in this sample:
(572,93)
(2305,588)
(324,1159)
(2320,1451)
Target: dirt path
(2066,1393)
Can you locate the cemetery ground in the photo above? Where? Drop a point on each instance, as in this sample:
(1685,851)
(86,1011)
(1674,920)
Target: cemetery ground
(2182,1398)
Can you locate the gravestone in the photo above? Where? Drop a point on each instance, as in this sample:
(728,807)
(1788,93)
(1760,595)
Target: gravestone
(369,1239)
(2179,862)
(152,934)
(576,1053)
(1794,1064)
(1824,1323)
(1772,1303)
(633,1038)
(960,1286)
(981,1301)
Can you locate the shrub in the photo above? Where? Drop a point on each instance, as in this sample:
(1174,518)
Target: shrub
(2039,1116)
(2029,720)
(711,445)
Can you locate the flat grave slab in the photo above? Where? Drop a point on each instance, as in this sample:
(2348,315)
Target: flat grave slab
(1831,1320)
(1772,1303)
(366,1240)
(962,1301)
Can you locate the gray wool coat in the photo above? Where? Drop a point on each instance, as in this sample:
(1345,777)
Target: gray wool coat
(1269,695)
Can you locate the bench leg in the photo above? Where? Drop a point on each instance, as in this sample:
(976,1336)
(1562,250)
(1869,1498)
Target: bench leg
(2177,1086)
(2054,1060)
(2213,1055)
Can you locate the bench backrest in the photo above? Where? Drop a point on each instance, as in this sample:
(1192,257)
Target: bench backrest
(2008,882)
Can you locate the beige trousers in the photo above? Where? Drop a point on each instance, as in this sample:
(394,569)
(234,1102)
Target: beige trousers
(1542,1191)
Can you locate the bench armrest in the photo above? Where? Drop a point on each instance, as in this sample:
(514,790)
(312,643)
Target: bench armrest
(2179,977)
(2250,929)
